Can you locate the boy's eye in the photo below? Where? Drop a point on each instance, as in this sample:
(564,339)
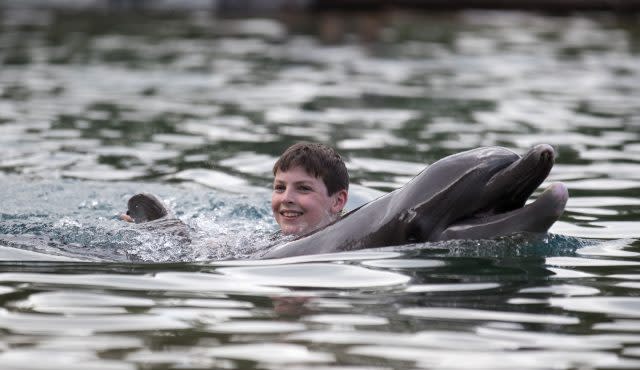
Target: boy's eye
(279,188)
(304,188)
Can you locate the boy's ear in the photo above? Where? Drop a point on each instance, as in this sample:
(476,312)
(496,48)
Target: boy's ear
(339,200)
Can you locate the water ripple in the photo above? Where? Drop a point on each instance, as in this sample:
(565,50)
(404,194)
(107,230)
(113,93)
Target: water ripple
(471,314)
(319,275)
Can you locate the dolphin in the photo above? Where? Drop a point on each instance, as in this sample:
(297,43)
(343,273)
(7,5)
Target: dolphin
(145,207)
(149,213)
(476,194)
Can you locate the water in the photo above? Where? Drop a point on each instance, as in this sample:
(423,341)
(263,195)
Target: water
(195,108)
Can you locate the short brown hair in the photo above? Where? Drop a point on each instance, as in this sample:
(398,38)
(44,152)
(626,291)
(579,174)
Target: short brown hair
(318,160)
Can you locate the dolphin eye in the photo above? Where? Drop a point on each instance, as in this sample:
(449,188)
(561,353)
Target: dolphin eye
(414,235)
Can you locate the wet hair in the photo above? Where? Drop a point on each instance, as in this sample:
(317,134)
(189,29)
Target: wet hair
(318,160)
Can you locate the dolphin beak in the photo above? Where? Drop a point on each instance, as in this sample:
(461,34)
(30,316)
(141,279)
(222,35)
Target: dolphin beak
(535,217)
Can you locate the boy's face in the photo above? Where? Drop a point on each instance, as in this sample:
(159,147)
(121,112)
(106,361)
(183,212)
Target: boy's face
(300,202)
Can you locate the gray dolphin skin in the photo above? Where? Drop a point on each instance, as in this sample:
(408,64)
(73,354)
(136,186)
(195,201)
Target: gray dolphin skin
(145,207)
(149,213)
(477,194)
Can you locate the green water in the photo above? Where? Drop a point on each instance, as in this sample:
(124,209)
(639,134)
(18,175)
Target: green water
(95,106)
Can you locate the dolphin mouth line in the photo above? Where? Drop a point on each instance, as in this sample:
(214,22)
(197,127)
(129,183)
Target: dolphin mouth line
(488,216)
(535,217)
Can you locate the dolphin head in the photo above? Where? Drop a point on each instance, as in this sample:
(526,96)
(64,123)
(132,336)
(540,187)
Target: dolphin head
(480,194)
(144,207)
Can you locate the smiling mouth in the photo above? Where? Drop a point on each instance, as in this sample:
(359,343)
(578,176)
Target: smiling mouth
(290,214)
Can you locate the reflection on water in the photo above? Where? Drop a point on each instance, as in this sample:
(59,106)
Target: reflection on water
(196,108)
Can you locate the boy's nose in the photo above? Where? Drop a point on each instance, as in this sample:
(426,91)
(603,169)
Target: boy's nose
(288,196)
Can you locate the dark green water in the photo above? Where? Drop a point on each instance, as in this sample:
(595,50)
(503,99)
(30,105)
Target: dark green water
(195,108)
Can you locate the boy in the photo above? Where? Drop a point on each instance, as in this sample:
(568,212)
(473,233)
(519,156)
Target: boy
(310,188)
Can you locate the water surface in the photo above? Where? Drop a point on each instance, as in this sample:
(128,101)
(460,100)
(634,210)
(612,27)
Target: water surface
(195,108)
